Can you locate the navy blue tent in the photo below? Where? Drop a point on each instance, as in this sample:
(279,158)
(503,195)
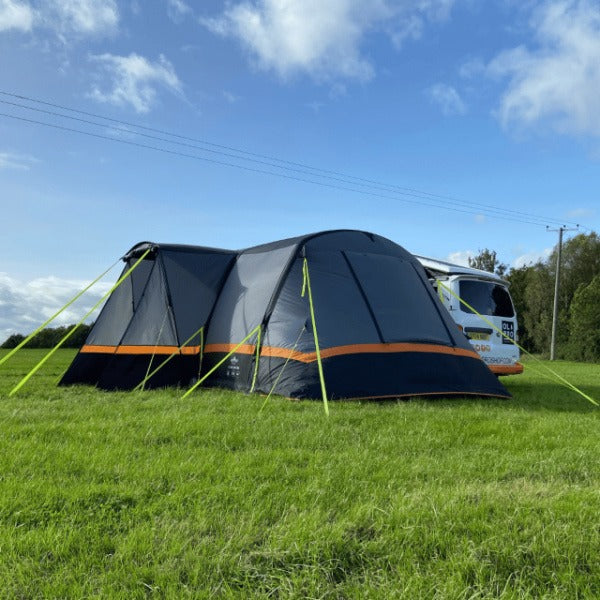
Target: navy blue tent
(382,331)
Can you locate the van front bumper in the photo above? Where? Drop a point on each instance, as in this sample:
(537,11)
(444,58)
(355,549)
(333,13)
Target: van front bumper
(515,369)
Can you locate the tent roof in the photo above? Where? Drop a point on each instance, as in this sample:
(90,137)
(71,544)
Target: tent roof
(301,240)
(139,248)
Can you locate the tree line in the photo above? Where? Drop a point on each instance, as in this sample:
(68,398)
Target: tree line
(50,337)
(532,290)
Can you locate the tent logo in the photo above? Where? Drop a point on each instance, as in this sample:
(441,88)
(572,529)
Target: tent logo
(233,368)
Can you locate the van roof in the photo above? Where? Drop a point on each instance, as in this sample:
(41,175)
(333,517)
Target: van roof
(446,268)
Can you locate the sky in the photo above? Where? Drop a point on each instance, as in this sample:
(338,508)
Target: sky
(448,126)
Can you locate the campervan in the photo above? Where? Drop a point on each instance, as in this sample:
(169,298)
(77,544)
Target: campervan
(486,293)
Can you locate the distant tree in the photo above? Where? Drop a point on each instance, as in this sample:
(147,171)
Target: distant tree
(580,262)
(537,316)
(51,336)
(584,338)
(487,260)
(518,281)
(532,289)
(13,341)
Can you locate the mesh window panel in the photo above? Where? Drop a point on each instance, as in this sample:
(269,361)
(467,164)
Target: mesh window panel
(404,310)
(139,277)
(194,281)
(114,317)
(152,323)
(341,313)
(246,294)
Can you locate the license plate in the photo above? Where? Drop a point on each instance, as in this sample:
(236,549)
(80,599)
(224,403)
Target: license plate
(508,329)
(478,336)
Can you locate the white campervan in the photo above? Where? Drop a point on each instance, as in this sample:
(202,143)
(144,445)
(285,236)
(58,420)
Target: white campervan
(488,294)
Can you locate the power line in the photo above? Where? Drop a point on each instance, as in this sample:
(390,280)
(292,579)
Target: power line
(434,200)
(347,179)
(494,211)
(250,169)
(313,171)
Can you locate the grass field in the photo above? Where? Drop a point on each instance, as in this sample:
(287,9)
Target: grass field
(124,495)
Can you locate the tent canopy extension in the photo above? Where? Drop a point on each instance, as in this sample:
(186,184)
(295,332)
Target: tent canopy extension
(381,329)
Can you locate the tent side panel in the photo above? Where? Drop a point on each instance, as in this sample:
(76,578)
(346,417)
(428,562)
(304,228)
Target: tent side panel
(241,307)
(110,326)
(400,303)
(152,323)
(150,334)
(341,313)
(194,281)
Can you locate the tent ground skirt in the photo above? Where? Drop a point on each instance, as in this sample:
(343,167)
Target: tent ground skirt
(125,372)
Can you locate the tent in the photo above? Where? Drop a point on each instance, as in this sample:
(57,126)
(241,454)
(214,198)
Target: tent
(346,311)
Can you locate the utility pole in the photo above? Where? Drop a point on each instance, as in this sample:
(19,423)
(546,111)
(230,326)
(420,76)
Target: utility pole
(560,230)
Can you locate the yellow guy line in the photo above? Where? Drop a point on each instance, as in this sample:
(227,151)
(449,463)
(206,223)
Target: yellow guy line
(566,383)
(31,335)
(287,360)
(72,331)
(306,286)
(257,328)
(141,384)
(256,360)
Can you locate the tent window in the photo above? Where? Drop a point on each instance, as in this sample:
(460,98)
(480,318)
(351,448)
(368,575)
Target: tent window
(401,304)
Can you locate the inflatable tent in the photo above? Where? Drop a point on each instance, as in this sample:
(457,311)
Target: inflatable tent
(348,312)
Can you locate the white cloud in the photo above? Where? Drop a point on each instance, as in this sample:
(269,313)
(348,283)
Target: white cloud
(231,98)
(532,257)
(25,305)
(15,15)
(580,213)
(23,162)
(320,38)
(177,10)
(133,80)
(81,16)
(447,98)
(461,257)
(64,17)
(472,67)
(558,82)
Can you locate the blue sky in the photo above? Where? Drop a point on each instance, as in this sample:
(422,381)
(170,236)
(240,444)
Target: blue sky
(466,103)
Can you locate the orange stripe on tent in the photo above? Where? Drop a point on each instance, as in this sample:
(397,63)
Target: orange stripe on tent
(308,357)
(98,349)
(275,352)
(226,348)
(91,349)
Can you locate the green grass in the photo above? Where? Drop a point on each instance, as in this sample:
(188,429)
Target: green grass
(130,495)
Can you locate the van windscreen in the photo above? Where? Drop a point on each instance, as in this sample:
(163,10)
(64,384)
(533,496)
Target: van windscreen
(486,298)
